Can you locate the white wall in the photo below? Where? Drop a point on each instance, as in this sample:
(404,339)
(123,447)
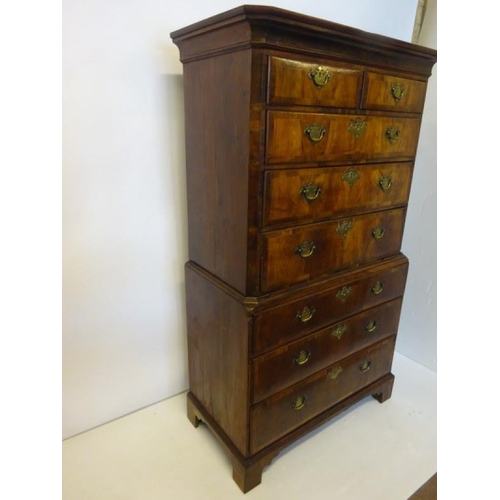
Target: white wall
(417,337)
(124,224)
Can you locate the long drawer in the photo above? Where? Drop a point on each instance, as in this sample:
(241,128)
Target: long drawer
(314,137)
(283,412)
(289,364)
(295,318)
(297,254)
(293,195)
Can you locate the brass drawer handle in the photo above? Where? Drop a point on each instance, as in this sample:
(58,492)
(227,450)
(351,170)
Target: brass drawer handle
(371,326)
(357,127)
(334,372)
(378,232)
(339,331)
(306,249)
(398,91)
(344,293)
(365,366)
(344,227)
(320,76)
(351,175)
(377,288)
(315,132)
(385,183)
(302,358)
(299,403)
(310,191)
(392,133)
(306,314)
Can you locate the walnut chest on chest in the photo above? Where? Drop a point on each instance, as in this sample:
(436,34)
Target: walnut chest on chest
(301,137)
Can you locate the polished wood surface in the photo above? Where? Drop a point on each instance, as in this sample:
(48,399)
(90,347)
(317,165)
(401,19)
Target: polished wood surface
(294,230)
(290,83)
(287,141)
(259,27)
(247,471)
(378,285)
(277,415)
(218,330)
(333,249)
(341,191)
(216,134)
(378,93)
(286,365)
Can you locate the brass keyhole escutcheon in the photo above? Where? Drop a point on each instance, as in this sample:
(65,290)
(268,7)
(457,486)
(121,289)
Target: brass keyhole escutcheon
(392,133)
(310,191)
(306,314)
(351,175)
(299,403)
(334,372)
(320,76)
(344,292)
(344,227)
(377,288)
(385,182)
(398,91)
(357,127)
(365,366)
(371,326)
(315,132)
(338,331)
(302,358)
(306,249)
(378,232)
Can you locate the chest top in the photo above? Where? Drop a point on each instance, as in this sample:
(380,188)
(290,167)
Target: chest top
(272,28)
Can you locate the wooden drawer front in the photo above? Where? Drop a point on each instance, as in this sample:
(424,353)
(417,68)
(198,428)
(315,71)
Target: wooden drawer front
(308,84)
(294,319)
(313,193)
(331,246)
(293,362)
(393,93)
(378,137)
(278,415)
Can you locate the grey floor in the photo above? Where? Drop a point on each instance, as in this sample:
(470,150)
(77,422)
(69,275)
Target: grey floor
(371,452)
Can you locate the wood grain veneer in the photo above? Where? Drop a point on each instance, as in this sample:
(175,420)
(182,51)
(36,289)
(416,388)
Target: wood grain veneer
(301,136)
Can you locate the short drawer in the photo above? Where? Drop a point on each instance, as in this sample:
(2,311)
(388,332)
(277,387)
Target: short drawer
(393,93)
(308,84)
(297,360)
(298,254)
(294,195)
(280,414)
(317,137)
(296,318)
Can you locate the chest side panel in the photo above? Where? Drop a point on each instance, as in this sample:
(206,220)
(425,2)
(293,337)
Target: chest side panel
(217,148)
(218,332)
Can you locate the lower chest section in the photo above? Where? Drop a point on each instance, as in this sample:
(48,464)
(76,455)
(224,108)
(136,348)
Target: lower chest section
(267,368)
